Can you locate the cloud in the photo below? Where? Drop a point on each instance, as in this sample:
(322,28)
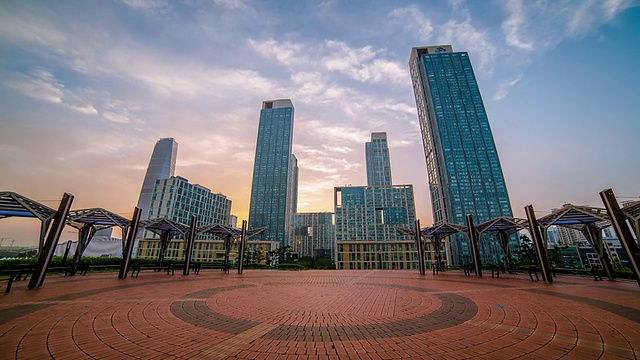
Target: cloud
(464,36)
(504,87)
(540,25)
(413,20)
(232,4)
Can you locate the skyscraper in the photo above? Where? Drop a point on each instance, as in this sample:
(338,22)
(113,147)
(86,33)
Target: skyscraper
(161,166)
(464,171)
(274,185)
(378,163)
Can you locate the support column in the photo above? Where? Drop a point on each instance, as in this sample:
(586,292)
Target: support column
(504,242)
(44,226)
(52,240)
(189,248)
(130,239)
(164,243)
(473,239)
(85,234)
(622,230)
(66,253)
(534,228)
(594,236)
(227,249)
(241,247)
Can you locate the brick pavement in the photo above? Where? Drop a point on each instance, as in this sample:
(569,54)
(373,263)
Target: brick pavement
(266,314)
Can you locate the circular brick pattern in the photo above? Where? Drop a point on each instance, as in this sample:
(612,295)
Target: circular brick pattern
(320,315)
(336,313)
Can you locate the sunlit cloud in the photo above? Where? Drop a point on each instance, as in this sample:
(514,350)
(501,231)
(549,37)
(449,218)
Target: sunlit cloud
(504,87)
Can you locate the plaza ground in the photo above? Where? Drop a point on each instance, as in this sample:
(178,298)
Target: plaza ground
(270,314)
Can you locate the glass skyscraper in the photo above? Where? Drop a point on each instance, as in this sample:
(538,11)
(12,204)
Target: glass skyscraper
(275,175)
(161,166)
(378,163)
(464,171)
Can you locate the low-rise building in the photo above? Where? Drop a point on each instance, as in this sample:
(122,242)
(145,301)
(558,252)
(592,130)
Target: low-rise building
(401,255)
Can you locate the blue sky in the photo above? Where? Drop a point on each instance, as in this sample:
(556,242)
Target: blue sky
(88,87)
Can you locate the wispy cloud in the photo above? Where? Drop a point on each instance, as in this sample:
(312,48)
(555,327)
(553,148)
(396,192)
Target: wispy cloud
(413,20)
(540,25)
(504,87)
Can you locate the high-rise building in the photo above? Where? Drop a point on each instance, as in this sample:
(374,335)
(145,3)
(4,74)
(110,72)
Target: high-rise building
(161,166)
(176,199)
(372,213)
(274,185)
(464,171)
(313,234)
(378,163)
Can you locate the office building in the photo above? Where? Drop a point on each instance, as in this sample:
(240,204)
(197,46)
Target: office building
(274,185)
(463,167)
(388,255)
(161,166)
(377,160)
(176,199)
(313,234)
(207,250)
(372,213)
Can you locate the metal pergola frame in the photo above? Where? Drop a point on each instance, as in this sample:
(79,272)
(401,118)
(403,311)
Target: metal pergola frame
(166,228)
(587,219)
(88,222)
(502,227)
(15,205)
(229,234)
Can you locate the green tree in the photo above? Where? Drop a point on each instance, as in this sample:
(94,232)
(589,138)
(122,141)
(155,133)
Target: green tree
(526,254)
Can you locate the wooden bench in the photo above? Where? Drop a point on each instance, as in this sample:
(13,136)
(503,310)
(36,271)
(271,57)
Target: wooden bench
(86,269)
(210,265)
(496,269)
(136,268)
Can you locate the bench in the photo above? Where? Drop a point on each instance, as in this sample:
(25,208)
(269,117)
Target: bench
(11,275)
(210,265)
(86,269)
(530,271)
(496,269)
(136,268)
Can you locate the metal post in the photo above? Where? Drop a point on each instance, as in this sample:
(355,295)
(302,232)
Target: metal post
(594,236)
(44,226)
(85,234)
(227,249)
(164,244)
(473,239)
(190,241)
(243,241)
(52,240)
(130,240)
(537,241)
(419,248)
(621,228)
(66,252)
(504,241)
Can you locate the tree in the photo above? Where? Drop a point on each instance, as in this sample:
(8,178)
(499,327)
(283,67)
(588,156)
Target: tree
(526,255)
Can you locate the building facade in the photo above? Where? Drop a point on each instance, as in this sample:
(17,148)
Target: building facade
(206,250)
(388,255)
(161,166)
(176,199)
(274,184)
(377,160)
(465,176)
(313,234)
(372,213)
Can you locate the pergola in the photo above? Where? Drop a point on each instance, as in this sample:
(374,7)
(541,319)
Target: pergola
(502,227)
(166,228)
(15,205)
(229,234)
(588,220)
(435,233)
(89,221)
(632,212)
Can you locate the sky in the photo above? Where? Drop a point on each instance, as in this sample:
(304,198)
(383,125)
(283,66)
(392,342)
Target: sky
(88,87)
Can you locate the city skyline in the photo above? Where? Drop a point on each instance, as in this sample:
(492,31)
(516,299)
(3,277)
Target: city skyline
(87,89)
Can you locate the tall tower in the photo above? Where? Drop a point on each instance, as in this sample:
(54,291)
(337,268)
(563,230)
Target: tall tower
(161,166)
(378,163)
(464,171)
(273,190)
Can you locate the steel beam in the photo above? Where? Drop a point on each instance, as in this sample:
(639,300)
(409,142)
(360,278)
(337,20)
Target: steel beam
(534,228)
(621,228)
(85,234)
(504,242)
(243,243)
(419,248)
(473,239)
(227,249)
(594,236)
(130,240)
(164,244)
(37,279)
(189,250)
